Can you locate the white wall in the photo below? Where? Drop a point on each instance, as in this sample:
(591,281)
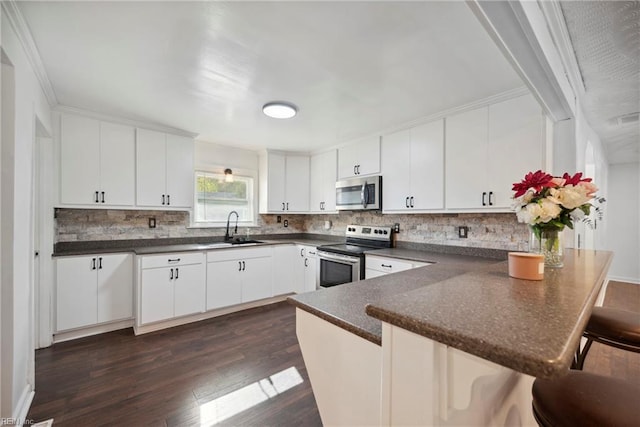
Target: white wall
(623,212)
(17,246)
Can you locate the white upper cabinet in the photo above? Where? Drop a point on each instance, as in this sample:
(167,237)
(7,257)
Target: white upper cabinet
(97,162)
(490,148)
(413,169)
(164,170)
(323,182)
(284,183)
(359,158)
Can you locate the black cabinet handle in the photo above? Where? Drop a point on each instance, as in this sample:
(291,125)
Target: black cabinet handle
(484,194)
(177,269)
(93,263)
(239,265)
(406,201)
(385,265)
(302,252)
(163,199)
(282,205)
(102,193)
(100,263)
(306,262)
(174,260)
(168,199)
(171,275)
(287,205)
(411,201)
(354,170)
(97,200)
(244,266)
(490,195)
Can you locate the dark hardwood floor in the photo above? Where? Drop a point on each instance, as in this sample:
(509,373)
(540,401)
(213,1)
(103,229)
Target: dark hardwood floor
(188,375)
(173,377)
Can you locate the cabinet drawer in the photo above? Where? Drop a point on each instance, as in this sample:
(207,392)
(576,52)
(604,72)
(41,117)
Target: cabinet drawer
(387,265)
(169,260)
(230,254)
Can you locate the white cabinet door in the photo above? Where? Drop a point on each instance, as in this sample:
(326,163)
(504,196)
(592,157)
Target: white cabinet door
(466,159)
(76,292)
(284,276)
(189,289)
(180,174)
(115,287)
(323,182)
(224,284)
(79,160)
(370,273)
(427,166)
(516,145)
(359,158)
(396,163)
(310,265)
(297,184)
(276,177)
(156,295)
(257,279)
(117,164)
(150,168)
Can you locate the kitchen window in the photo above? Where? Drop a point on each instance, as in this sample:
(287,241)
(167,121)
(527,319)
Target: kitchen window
(215,198)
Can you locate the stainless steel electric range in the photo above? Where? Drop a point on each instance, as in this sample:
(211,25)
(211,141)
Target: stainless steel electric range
(345,263)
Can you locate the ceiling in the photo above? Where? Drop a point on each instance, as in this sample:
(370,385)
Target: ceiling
(606,40)
(352,68)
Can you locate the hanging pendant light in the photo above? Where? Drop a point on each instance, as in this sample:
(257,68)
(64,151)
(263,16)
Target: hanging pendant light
(228,175)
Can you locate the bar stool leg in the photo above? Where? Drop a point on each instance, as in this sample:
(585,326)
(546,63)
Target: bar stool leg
(581,355)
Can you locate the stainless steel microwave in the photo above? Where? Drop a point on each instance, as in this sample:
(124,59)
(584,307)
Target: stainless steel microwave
(362,193)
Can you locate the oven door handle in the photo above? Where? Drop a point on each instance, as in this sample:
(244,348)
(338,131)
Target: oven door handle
(344,260)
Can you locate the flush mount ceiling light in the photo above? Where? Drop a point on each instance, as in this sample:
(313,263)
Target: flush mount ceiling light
(280,110)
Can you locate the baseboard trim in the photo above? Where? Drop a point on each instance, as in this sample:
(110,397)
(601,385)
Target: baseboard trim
(635,281)
(24,404)
(92,330)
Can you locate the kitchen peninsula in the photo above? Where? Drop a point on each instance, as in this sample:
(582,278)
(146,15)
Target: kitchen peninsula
(456,342)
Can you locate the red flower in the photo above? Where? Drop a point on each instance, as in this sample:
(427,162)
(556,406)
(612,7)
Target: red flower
(536,180)
(575,179)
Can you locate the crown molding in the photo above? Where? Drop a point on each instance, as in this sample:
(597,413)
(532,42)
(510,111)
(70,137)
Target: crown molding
(64,109)
(560,33)
(21,29)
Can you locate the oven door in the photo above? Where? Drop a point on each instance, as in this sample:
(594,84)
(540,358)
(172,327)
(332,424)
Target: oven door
(336,269)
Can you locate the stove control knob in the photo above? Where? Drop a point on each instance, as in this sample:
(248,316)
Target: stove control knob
(386,232)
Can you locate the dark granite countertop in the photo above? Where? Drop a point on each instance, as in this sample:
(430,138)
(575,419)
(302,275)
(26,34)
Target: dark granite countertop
(344,305)
(473,305)
(188,244)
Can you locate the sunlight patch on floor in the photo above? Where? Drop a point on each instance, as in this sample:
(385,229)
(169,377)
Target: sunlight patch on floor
(249,396)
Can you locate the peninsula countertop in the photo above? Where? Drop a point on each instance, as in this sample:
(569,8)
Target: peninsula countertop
(473,305)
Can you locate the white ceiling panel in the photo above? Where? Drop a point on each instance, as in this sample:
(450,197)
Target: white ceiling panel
(352,68)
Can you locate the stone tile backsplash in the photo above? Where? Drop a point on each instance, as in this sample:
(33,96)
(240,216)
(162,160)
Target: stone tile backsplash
(486,230)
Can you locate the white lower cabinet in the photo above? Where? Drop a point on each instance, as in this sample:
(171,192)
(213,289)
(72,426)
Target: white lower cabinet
(380,266)
(306,269)
(171,285)
(238,275)
(93,289)
(285,278)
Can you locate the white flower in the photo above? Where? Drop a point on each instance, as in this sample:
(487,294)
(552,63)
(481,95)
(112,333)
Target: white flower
(570,197)
(549,210)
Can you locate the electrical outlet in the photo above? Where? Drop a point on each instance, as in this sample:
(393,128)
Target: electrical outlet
(152,222)
(278,219)
(396,227)
(463,232)
(286,222)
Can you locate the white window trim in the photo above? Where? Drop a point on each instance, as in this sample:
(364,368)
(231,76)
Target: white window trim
(223,224)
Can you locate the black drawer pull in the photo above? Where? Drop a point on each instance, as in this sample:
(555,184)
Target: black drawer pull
(174,260)
(386,266)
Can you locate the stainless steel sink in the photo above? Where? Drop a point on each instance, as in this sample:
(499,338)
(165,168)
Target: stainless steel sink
(245,242)
(215,245)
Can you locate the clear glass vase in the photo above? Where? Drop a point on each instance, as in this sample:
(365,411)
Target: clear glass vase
(550,243)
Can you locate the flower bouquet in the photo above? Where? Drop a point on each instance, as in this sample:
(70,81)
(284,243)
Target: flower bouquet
(548,204)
